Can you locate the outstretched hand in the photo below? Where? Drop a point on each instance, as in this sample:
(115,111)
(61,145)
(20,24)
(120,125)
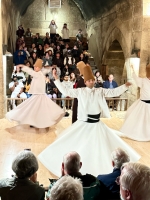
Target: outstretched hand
(128,84)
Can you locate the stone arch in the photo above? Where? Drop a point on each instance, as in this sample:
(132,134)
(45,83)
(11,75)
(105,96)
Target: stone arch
(115,31)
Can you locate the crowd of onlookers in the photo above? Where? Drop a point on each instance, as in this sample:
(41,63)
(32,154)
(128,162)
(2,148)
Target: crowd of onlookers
(127,181)
(56,52)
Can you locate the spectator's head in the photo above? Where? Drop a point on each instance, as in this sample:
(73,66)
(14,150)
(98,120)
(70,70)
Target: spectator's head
(40,46)
(58,47)
(65,25)
(37,35)
(28,64)
(57,55)
(79,31)
(15,79)
(67,46)
(82,56)
(119,157)
(47,34)
(71,163)
(72,76)
(34,55)
(67,188)
(134,182)
(110,78)
(53,22)
(25,164)
(50,53)
(33,45)
(97,74)
(75,47)
(66,78)
(20,47)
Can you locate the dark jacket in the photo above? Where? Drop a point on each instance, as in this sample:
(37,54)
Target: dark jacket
(109,182)
(106,84)
(20,189)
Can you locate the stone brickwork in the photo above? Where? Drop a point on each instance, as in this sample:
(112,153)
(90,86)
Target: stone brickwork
(39,15)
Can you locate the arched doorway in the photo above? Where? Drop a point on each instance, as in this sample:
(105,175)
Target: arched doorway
(114,59)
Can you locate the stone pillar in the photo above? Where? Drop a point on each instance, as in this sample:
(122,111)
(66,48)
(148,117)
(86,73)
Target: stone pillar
(2,101)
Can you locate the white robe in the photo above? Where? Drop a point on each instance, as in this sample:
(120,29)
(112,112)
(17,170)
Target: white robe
(137,120)
(93,141)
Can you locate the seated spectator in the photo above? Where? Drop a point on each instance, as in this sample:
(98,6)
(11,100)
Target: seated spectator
(31,50)
(58,50)
(66,49)
(27,86)
(66,71)
(56,38)
(19,73)
(109,180)
(47,60)
(50,88)
(134,182)
(71,166)
(83,58)
(40,51)
(19,56)
(28,33)
(33,58)
(98,80)
(23,185)
(67,188)
(79,35)
(37,40)
(17,89)
(70,60)
(50,53)
(75,53)
(20,31)
(47,39)
(61,44)
(110,83)
(57,60)
(73,79)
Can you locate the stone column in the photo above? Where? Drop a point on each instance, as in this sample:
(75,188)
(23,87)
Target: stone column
(2,101)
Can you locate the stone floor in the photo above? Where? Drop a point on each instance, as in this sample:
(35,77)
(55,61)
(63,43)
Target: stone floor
(14,138)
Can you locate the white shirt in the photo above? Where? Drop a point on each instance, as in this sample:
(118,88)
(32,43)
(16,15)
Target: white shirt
(17,88)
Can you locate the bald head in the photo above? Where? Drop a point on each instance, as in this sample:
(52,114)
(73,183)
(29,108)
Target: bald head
(71,162)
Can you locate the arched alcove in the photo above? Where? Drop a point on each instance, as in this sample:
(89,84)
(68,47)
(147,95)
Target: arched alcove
(114,59)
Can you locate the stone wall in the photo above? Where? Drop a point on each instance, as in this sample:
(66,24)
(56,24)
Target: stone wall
(39,15)
(122,23)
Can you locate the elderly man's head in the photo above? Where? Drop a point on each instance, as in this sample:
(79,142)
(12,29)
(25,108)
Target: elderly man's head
(110,77)
(71,163)
(135,182)
(119,157)
(67,188)
(25,164)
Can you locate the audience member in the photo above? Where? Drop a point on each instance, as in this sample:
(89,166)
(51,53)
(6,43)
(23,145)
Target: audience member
(37,40)
(109,180)
(19,73)
(20,31)
(27,86)
(40,51)
(47,60)
(28,33)
(57,60)
(65,33)
(33,58)
(47,39)
(22,185)
(79,35)
(19,56)
(67,188)
(17,89)
(110,83)
(98,80)
(50,88)
(71,166)
(66,49)
(53,28)
(134,182)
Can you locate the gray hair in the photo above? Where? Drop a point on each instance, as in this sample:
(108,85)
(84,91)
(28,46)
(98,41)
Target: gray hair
(135,177)
(119,157)
(67,188)
(71,162)
(25,164)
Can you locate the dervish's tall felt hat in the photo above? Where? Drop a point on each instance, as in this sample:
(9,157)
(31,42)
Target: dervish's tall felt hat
(87,73)
(80,66)
(148,70)
(38,63)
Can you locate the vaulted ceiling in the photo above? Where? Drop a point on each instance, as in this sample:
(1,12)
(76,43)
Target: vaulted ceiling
(89,8)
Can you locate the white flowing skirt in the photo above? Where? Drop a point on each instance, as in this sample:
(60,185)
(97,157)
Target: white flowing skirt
(38,110)
(137,121)
(93,141)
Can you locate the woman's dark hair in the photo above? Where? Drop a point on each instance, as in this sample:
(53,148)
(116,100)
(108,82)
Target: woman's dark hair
(29,79)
